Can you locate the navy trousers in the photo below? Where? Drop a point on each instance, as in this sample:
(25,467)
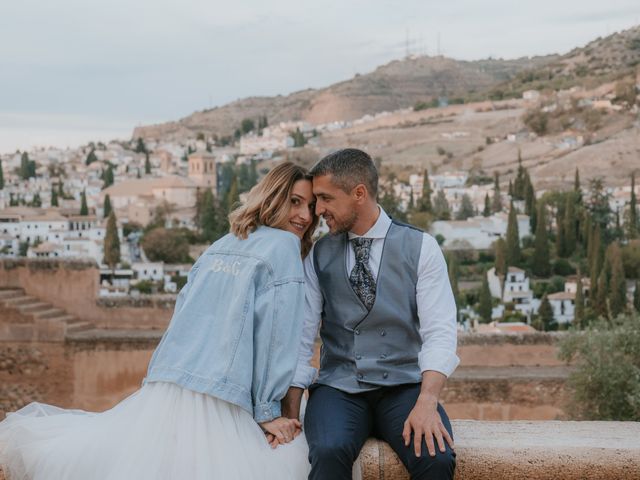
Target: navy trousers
(337,424)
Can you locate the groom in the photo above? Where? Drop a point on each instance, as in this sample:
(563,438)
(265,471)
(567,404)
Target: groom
(381,293)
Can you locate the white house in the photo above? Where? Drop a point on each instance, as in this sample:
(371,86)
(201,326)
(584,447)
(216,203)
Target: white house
(477,233)
(514,288)
(563,304)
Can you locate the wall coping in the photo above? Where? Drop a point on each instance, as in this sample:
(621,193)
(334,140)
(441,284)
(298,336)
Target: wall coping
(550,450)
(543,450)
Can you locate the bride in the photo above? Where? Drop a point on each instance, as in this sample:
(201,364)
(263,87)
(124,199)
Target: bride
(209,407)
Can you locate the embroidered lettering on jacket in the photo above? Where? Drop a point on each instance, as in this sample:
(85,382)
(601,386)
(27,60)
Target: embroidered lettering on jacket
(232,268)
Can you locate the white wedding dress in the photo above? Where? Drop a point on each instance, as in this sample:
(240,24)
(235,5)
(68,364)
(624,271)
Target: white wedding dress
(161,432)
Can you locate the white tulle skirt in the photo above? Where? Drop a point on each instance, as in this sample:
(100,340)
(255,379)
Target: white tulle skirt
(161,432)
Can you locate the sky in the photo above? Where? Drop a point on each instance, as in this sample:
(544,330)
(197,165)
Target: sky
(78,70)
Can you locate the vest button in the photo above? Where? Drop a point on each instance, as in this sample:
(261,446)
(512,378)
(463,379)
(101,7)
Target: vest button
(385,375)
(357,331)
(382,333)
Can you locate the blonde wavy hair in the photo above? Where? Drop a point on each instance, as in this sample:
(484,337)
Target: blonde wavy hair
(268,204)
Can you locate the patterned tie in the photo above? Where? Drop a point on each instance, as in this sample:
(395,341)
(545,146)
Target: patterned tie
(361,277)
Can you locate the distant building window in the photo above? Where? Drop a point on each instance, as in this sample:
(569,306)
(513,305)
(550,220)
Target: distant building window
(513,278)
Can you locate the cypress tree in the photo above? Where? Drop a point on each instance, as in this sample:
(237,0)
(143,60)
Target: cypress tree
(36,201)
(24,166)
(632,220)
(424,203)
(570,225)
(541,266)
(147,163)
(1,176)
(111,243)
(561,247)
(484,308)
(441,206)
(54,197)
(529,197)
(466,208)
(106,206)
(520,184)
(578,312)
(500,263)
(141,147)
(510,190)
(107,177)
(601,295)
(636,297)
(617,284)
(84,209)
(545,313)
(576,186)
(496,205)
(595,260)
(513,238)
(487,206)
(209,217)
(91,157)
(233,197)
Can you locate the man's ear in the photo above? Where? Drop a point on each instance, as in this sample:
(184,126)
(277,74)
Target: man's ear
(360,193)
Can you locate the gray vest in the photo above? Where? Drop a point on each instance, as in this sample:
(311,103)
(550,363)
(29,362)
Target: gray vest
(363,350)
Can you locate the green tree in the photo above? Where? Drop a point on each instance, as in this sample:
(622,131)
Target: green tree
(578,312)
(570,224)
(541,266)
(299,140)
(520,183)
(140,146)
(441,206)
(632,216)
(24,166)
(1,176)
(212,225)
(487,206)
(485,306)
(111,243)
(54,197)
(577,189)
(424,203)
(466,208)
(561,245)
(84,209)
(605,380)
(166,245)
(91,157)
(36,201)
(496,204)
(617,283)
(147,164)
(545,315)
(513,238)
(106,206)
(107,177)
(500,263)
(636,297)
(247,126)
(601,307)
(233,197)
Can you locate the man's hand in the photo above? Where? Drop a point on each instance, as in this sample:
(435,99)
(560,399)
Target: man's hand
(281,430)
(424,419)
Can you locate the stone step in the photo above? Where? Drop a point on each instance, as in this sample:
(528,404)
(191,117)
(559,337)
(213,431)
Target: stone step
(50,313)
(34,307)
(21,300)
(78,326)
(11,292)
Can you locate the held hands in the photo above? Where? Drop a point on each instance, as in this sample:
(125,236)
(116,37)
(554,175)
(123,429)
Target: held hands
(425,420)
(281,430)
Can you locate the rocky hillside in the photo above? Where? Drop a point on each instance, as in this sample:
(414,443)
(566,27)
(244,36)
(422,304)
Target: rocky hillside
(399,84)
(600,61)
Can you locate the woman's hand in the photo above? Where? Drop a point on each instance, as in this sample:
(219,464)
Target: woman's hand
(281,430)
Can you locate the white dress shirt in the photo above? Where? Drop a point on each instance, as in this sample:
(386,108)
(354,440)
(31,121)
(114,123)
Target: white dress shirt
(434,299)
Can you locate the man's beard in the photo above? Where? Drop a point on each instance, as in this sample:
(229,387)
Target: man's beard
(345,225)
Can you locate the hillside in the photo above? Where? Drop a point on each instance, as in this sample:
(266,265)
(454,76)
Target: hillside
(399,84)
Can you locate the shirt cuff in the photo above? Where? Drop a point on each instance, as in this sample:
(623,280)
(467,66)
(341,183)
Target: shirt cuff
(265,412)
(304,376)
(439,360)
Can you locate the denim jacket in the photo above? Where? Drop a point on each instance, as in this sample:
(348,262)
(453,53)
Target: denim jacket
(237,323)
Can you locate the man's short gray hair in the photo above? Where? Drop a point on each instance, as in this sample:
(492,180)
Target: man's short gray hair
(349,167)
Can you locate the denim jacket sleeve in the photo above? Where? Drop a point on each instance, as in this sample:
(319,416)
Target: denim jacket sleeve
(277,328)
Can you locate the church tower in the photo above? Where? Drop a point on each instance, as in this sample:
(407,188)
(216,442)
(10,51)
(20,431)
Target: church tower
(202,170)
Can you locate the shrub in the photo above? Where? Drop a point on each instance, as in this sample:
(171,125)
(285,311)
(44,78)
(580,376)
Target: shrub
(562,267)
(606,381)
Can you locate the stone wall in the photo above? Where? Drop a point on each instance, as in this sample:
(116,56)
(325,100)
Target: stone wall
(73,286)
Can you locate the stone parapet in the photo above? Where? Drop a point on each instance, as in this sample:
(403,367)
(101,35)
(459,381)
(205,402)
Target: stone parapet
(548,450)
(526,451)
